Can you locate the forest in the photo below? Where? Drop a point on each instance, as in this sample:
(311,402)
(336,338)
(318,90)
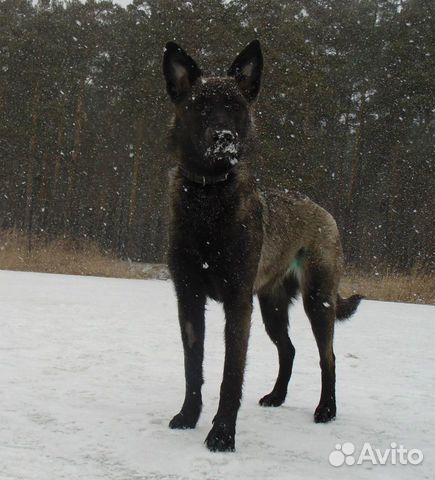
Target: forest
(345,115)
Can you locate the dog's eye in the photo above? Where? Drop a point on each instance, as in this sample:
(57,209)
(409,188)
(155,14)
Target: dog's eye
(204,110)
(232,107)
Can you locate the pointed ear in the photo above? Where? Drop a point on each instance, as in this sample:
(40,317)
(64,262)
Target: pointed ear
(180,71)
(247,68)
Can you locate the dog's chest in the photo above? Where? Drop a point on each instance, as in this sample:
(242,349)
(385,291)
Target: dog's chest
(216,238)
(206,218)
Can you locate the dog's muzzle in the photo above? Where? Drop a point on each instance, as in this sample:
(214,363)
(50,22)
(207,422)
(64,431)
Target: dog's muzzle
(225,146)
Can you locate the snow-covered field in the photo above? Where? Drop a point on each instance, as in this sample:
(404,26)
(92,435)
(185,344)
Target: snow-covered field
(91,372)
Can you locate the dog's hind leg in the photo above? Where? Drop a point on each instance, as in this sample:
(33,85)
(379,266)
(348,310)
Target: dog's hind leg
(274,310)
(191,308)
(319,296)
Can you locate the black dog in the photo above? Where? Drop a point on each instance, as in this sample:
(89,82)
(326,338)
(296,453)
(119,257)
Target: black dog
(229,241)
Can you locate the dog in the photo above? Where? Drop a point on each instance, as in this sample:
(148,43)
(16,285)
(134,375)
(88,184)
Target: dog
(228,241)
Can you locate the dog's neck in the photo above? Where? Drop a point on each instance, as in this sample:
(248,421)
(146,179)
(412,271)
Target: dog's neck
(204,180)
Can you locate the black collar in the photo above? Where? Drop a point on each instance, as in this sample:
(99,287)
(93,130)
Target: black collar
(204,179)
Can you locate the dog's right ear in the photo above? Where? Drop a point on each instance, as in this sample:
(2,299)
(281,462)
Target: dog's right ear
(180,71)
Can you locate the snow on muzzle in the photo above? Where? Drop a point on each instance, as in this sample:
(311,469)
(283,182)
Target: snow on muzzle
(225,146)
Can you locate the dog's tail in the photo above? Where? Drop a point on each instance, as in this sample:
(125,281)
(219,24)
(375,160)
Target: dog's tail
(346,307)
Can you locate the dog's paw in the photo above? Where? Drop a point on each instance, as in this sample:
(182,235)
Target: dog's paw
(325,412)
(272,400)
(221,438)
(183,421)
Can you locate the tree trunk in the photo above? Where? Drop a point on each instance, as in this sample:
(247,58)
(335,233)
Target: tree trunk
(28,215)
(73,190)
(134,186)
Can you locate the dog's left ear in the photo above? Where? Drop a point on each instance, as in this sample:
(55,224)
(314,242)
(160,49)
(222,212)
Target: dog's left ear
(247,68)
(180,71)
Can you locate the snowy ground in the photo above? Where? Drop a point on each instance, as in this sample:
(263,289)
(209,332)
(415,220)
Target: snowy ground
(91,372)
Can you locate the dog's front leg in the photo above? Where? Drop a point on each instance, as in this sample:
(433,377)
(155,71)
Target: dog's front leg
(238,311)
(191,306)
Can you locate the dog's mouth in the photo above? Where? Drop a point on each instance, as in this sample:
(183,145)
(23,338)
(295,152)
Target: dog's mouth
(225,147)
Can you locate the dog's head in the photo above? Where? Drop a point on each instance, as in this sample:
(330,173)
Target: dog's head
(212,115)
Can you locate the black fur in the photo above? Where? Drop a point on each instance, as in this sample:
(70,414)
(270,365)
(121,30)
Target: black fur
(346,307)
